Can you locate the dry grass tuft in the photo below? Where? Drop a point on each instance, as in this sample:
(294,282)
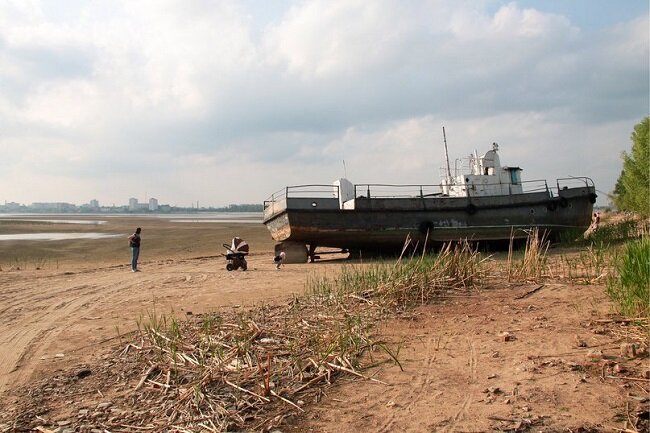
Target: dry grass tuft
(534,261)
(253,370)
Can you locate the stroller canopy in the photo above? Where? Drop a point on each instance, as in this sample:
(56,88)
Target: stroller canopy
(238,245)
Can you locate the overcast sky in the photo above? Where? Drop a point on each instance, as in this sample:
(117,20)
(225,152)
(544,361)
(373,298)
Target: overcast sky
(229,101)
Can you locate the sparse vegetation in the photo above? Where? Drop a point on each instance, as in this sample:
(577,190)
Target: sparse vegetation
(414,281)
(630,286)
(617,253)
(586,266)
(252,369)
(614,229)
(617,232)
(593,259)
(534,261)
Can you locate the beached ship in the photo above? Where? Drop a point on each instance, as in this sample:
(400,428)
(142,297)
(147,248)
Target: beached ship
(480,201)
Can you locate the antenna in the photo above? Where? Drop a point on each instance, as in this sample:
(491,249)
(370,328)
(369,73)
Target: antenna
(444,136)
(345,170)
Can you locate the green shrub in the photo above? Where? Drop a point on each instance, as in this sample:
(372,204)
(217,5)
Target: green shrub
(630,288)
(609,234)
(606,235)
(632,191)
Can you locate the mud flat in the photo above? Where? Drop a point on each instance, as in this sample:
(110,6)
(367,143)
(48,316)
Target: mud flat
(163,238)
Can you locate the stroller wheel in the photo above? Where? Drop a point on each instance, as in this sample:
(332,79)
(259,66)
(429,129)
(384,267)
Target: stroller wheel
(244,265)
(230,267)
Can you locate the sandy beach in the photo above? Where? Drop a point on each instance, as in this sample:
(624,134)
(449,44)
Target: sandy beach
(458,371)
(84,293)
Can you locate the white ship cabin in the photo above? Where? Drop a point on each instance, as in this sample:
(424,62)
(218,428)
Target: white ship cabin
(481,176)
(486,177)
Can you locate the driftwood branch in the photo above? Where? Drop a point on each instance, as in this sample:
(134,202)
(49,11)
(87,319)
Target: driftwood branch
(530,292)
(287,401)
(144,377)
(227,382)
(635,379)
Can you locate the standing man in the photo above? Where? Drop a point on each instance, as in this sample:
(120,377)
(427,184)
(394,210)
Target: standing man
(134,243)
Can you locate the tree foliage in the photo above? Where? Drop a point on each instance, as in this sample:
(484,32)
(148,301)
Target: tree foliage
(632,190)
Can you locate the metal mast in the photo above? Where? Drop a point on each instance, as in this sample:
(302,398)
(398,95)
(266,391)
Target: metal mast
(444,136)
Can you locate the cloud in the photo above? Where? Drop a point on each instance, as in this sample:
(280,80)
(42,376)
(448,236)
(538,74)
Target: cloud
(321,39)
(173,95)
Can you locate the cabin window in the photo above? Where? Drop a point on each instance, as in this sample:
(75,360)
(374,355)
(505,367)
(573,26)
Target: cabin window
(314,204)
(515,177)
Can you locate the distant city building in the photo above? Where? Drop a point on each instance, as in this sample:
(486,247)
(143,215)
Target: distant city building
(53,207)
(133,204)
(151,206)
(12,206)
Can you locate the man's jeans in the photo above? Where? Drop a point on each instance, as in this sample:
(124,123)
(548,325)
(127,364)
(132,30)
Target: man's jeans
(135,253)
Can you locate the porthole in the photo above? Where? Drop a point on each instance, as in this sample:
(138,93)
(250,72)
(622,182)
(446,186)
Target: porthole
(314,204)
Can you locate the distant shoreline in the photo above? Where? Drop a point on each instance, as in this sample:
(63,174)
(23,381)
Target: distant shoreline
(125,212)
(69,208)
(179,214)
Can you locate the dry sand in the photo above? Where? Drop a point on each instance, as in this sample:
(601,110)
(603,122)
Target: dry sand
(461,375)
(78,300)
(459,371)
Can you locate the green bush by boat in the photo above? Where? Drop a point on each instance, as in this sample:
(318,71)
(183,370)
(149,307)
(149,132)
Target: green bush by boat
(630,286)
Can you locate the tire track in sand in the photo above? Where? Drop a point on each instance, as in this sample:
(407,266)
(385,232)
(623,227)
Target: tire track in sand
(420,378)
(46,308)
(463,409)
(28,343)
(92,304)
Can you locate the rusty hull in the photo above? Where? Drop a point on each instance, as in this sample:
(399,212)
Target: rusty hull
(385,223)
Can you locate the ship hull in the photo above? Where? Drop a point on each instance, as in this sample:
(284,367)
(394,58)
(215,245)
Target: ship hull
(377,223)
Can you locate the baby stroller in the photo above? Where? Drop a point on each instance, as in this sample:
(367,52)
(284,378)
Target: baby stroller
(237,251)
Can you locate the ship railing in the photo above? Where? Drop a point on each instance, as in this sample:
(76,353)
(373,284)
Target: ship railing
(276,196)
(574,182)
(380,190)
(277,202)
(413,191)
(530,186)
(312,191)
